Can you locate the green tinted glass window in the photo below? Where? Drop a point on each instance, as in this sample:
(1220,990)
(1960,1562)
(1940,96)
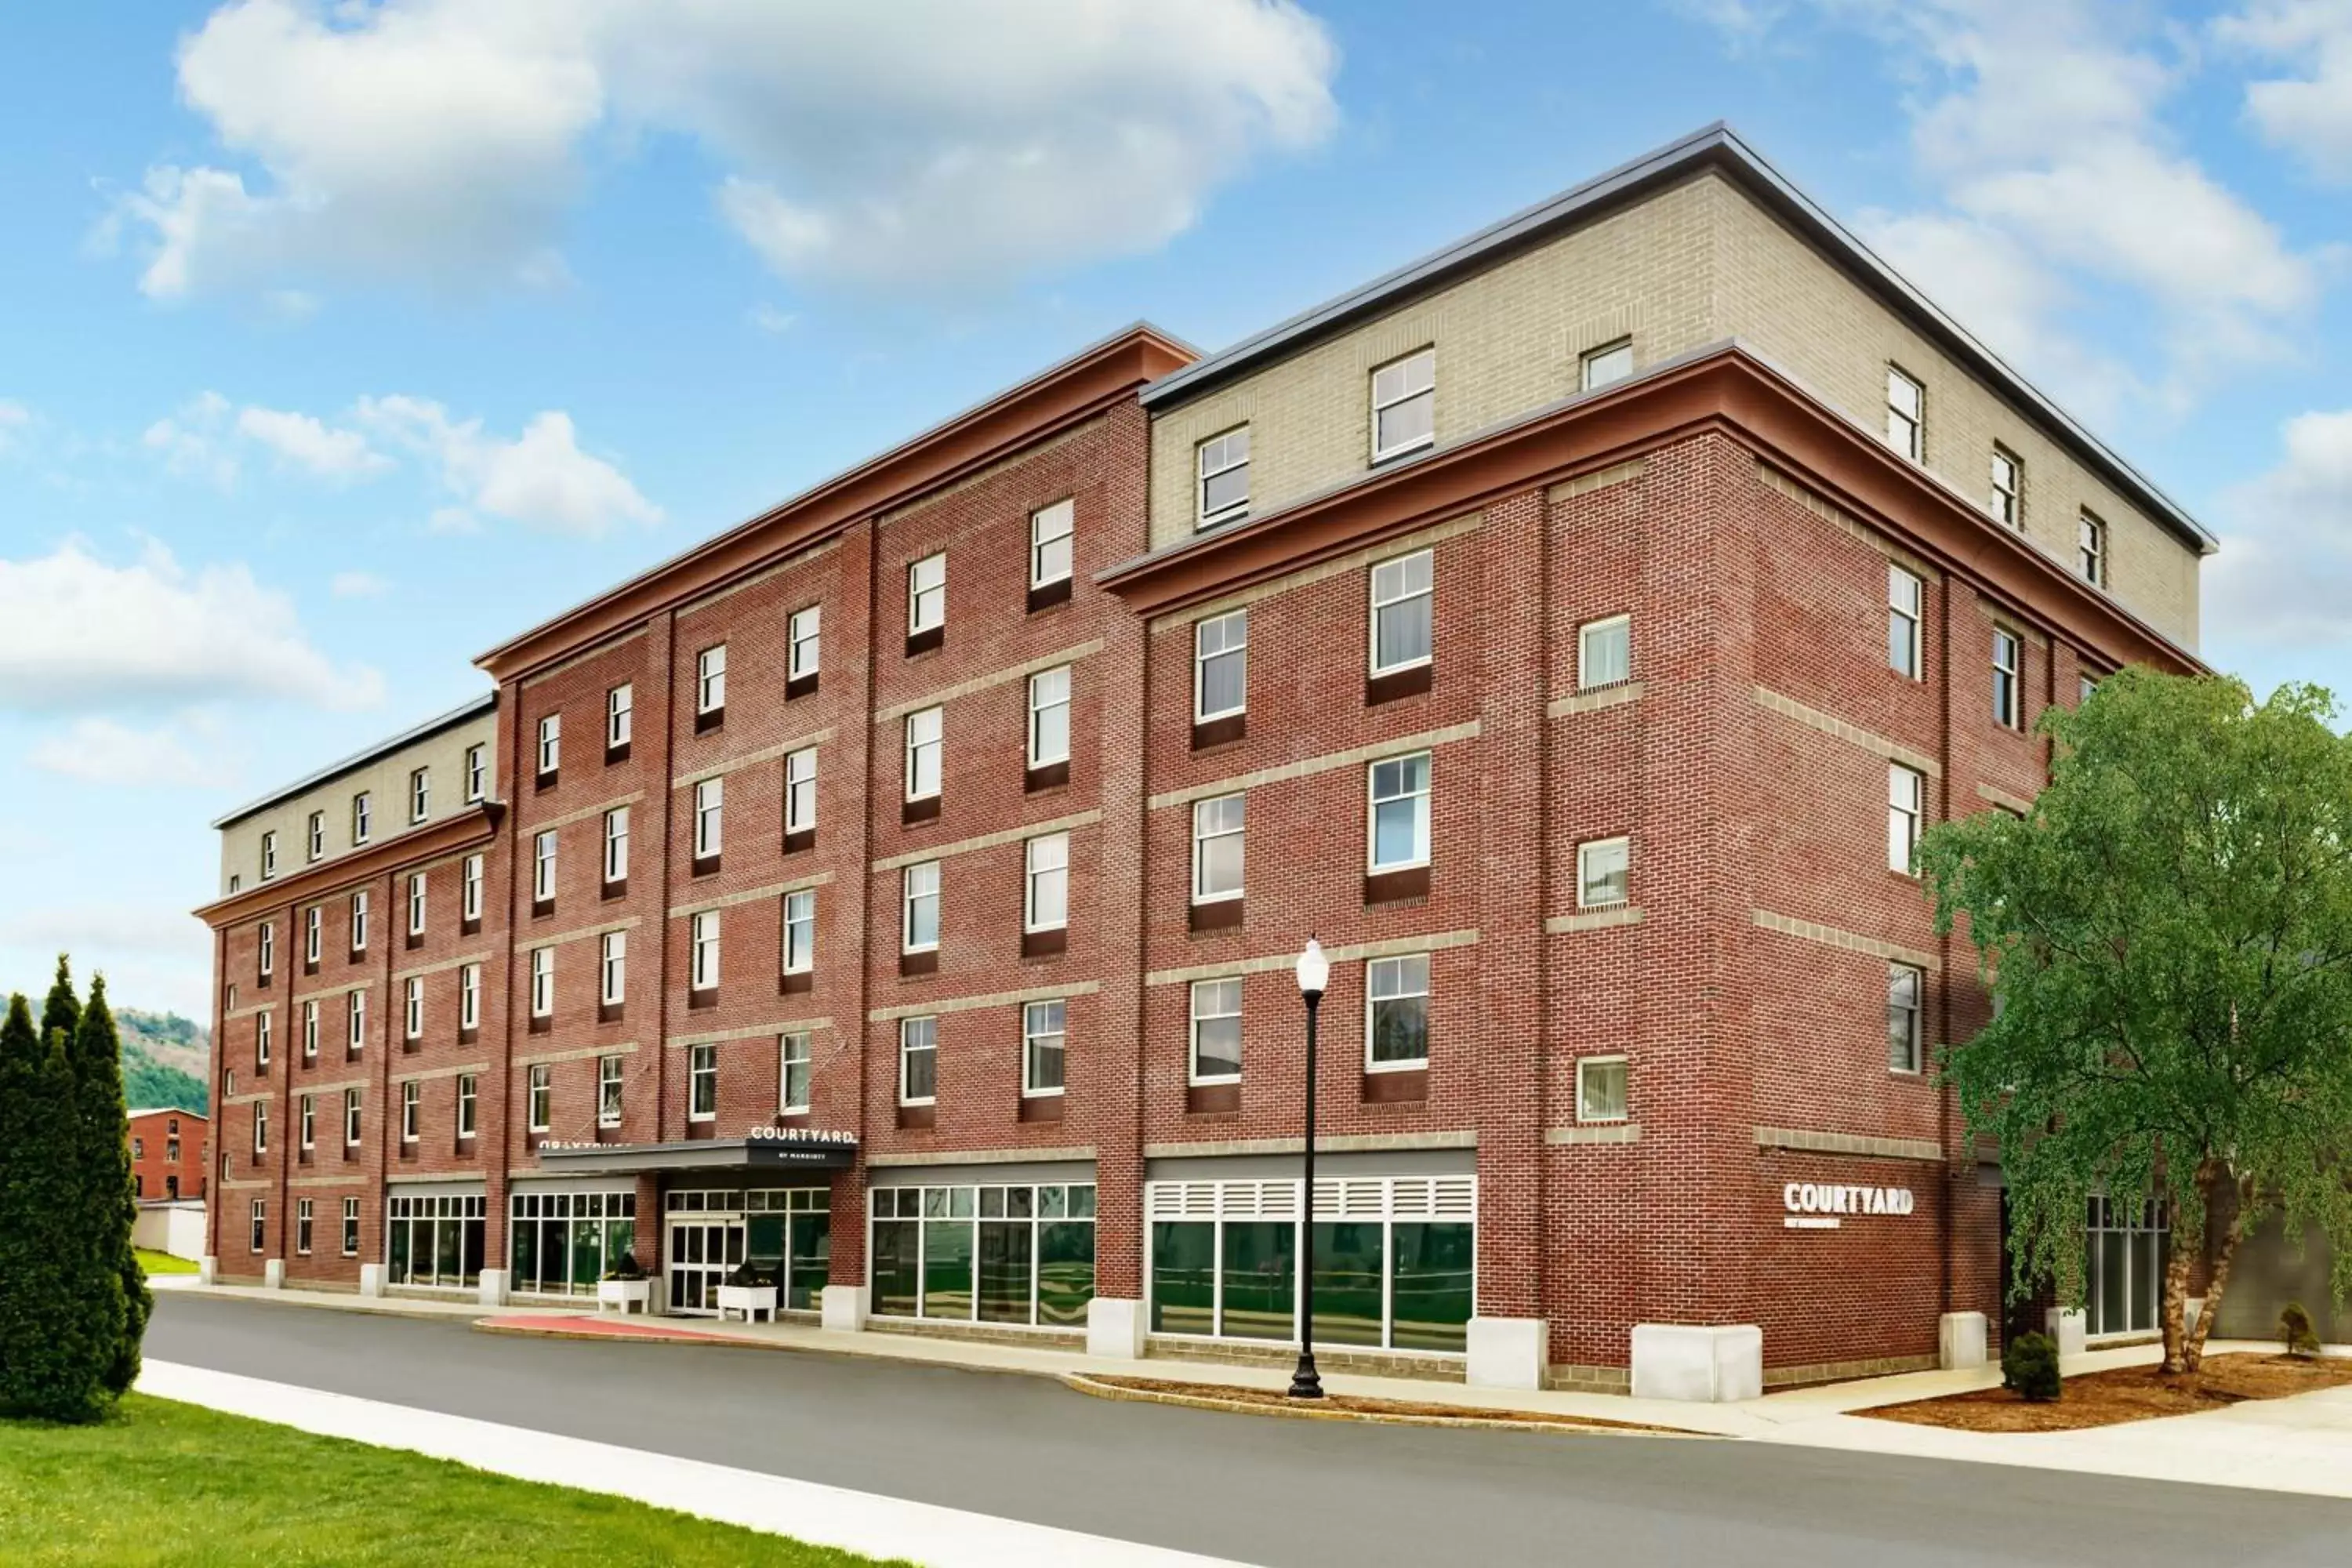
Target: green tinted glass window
(1066,1273)
(1432,1295)
(1260,1278)
(1347,1278)
(1184,1278)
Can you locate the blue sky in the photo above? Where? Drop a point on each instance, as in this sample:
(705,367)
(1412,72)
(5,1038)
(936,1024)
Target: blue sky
(338,343)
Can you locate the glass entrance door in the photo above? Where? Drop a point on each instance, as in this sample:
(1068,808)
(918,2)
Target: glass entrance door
(701,1253)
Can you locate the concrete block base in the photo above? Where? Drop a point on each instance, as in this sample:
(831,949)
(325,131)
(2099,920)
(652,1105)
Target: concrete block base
(2070,1329)
(1710,1366)
(493,1287)
(372,1278)
(841,1308)
(1961,1340)
(208,1270)
(1114,1328)
(273,1274)
(1508,1353)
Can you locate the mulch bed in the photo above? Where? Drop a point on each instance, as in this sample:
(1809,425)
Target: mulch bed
(1274,1401)
(2126,1394)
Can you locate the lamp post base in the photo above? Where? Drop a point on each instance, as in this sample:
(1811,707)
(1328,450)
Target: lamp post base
(1306,1382)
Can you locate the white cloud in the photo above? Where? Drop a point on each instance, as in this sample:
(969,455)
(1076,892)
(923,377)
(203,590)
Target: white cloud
(77,633)
(358,586)
(303,441)
(769,319)
(153,955)
(943,141)
(541,479)
(190,440)
(2310,112)
(101,751)
(2283,574)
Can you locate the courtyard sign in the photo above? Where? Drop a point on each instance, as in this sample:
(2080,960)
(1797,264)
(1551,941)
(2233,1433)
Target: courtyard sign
(1817,1206)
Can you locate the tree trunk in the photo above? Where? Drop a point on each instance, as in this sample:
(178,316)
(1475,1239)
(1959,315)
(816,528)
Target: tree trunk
(2194,1358)
(2175,1309)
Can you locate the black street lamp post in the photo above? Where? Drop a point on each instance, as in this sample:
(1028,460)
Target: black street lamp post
(1306,1382)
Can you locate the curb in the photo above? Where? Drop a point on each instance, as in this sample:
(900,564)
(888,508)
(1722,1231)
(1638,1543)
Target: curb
(1095,1389)
(492,1326)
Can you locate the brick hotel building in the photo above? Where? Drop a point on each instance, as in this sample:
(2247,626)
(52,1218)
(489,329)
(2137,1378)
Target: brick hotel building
(1572,630)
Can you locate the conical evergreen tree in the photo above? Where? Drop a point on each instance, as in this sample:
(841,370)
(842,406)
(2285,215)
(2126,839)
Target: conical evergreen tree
(20,1052)
(54,1350)
(62,1011)
(122,1311)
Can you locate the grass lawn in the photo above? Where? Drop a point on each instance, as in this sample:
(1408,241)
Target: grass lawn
(169,1483)
(164,1263)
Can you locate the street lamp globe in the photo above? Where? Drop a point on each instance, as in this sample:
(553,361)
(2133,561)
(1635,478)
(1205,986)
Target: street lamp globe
(1313,970)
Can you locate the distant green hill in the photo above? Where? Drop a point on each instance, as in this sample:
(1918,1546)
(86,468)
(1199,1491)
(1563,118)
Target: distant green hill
(166,1060)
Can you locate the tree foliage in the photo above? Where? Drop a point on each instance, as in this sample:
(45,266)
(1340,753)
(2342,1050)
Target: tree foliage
(107,1203)
(2170,939)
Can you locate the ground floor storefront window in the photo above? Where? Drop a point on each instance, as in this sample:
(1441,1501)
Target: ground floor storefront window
(435,1240)
(2126,1245)
(562,1242)
(1016,1253)
(787,1232)
(1394,1259)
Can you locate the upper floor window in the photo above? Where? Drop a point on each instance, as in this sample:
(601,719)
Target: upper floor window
(709,821)
(469,885)
(543,867)
(1600,1089)
(468,1095)
(919,932)
(702,951)
(617,845)
(314,842)
(477,773)
(1043,1026)
(2008,688)
(1906,415)
(551,743)
(1602,872)
(796,1065)
(420,794)
(925,738)
(359,921)
(1403,620)
(1396,1006)
(2008,488)
(412,1011)
(800,791)
(608,1091)
(2091,548)
(702,1083)
(351,1117)
(1049,716)
(362,817)
(542,982)
(619,704)
(1607,365)
(1400,812)
(710,680)
(1045,901)
(1903,984)
(1049,542)
(1907,803)
(919,1060)
(1405,405)
(416,903)
(927,594)
(1216,1044)
(469,996)
(612,968)
(312,922)
(1604,652)
(799,930)
(1218,829)
(803,633)
(267,957)
(1905,606)
(539,1096)
(269,856)
(1223,462)
(1220,666)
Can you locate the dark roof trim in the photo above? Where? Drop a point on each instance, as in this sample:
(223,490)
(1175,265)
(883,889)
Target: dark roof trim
(1719,147)
(471,708)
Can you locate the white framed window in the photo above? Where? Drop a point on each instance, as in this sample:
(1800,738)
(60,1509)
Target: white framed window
(1604,653)
(309,1121)
(620,716)
(927,594)
(703,951)
(919,1061)
(543,867)
(1906,795)
(2008,488)
(795,1066)
(2008,687)
(608,1091)
(1396,1013)
(1049,716)
(302,1215)
(468,1098)
(919,895)
(799,930)
(1403,619)
(1050,528)
(612,968)
(267,956)
(411,1098)
(1043,1033)
(617,845)
(269,856)
(469,996)
(539,1095)
(362,817)
(1907,598)
(261,1127)
(314,837)
(1215,1054)
(1397,835)
(358,1019)
(1600,1084)
(1405,405)
(1223,462)
(420,794)
(313,924)
(925,733)
(360,921)
(310,1030)
(710,680)
(1603,872)
(1220,665)
(470,889)
(259,1209)
(800,790)
(351,1106)
(1903,987)
(411,1009)
(2091,548)
(416,903)
(261,1040)
(1906,415)
(542,982)
(702,1083)
(1606,366)
(709,818)
(477,773)
(350,1228)
(1218,848)
(551,742)
(804,636)
(1045,901)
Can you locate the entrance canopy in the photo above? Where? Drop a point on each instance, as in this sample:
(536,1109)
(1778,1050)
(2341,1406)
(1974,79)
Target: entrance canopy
(777,1148)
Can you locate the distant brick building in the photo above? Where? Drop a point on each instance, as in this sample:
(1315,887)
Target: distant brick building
(1572,631)
(169,1153)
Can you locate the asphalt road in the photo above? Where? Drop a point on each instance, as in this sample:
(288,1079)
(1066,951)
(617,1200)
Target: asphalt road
(1267,1492)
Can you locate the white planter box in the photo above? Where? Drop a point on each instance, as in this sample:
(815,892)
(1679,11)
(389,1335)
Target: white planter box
(625,1294)
(749,1299)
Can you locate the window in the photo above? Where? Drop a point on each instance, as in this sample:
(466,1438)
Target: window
(1600,1089)
(617,845)
(1401,612)
(1220,666)
(1223,462)
(269,856)
(1905,601)
(412,1015)
(2008,691)
(1905,416)
(608,1091)
(796,1061)
(236,881)
(619,714)
(310,1121)
(1604,653)
(420,795)
(927,594)
(2008,488)
(2091,548)
(542,867)
(469,996)
(1396,1006)
(800,931)
(703,944)
(1046,904)
(310,1031)
(1043,1035)
(551,743)
(709,806)
(1216,1052)
(470,901)
(800,791)
(802,635)
(313,924)
(259,1211)
(1049,717)
(2126,1246)
(710,680)
(612,968)
(267,959)
(702,1083)
(542,982)
(350,1118)
(314,843)
(358,921)
(350,1228)
(261,1127)
(358,1021)
(1405,405)
(469,1097)
(1217,848)
(1902,1017)
(1049,543)
(919,1060)
(260,1040)
(537,1095)
(920,892)
(1607,365)
(925,728)
(412,1096)
(362,817)
(302,1225)
(1400,812)
(1602,872)
(477,773)
(1905,802)
(2083,689)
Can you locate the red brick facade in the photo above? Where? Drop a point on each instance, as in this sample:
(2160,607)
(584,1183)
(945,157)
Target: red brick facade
(169,1152)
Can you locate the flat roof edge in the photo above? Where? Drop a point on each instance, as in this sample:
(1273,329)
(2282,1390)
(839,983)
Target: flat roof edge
(359,759)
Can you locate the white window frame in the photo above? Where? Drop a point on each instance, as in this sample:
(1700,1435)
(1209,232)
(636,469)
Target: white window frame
(1587,678)
(1605,366)
(267,955)
(1907,621)
(800,790)
(314,925)
(539,1095)
(927,1026)
(1210,827)
(420,795)
(412,1107)
(804,630)
(1906,427)
(469,996)
(2007,475)
(702,951)
(411,1007)
(1596,850)
(1213,460)
(356,1019)
(1914,1015)
(310,1029)
(1041,1022)
(350,1228)
(1044,703)
(314,837)
(1231,633)
(260,1126)
(417,888)
(261,1038)
(469,883)
(709,818)
(269,856)
(620,715)
(1193,1017)
(306,1120)
(362,817)
(1401,966)
(1396,598)
(551,743)
(302,1225)
(259,1212)
(612,1087)
(542,982)
(927,592)
(702,1082)
(1907,813)
(926,749)
(1373,800)
(1585,1113)
(469,1101)
(1406,369)
(2091,548)
(613,967)
(795,1049)
(799,930)
(1050,526)
(543,867)
(477,772)
(710,679)
(916,883)
(617,845)
(360,921)
(2007,680)
(1045,869)
(354,1118)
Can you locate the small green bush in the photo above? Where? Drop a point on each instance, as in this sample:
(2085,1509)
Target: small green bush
(2029,1364)
(2295,1333)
